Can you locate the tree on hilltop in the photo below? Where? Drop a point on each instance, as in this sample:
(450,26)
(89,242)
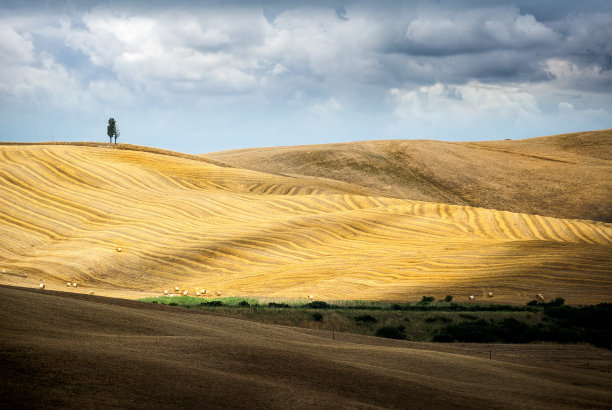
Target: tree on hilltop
(111,130)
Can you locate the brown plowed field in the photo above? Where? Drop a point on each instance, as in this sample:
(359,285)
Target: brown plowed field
(62,350)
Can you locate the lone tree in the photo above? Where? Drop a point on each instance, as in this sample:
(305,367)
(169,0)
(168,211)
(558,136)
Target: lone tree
(117,133)
(111,130)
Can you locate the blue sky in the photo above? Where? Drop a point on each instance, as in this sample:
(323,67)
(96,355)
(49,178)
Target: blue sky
(206,76)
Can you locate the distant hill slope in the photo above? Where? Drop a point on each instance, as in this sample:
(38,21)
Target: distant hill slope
(184,222)
(563,176)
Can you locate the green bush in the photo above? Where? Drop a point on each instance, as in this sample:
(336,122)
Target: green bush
(244,303)
(391,332)
(212,303)
(317,304)
(317,317)
(278,305)
(427,299)
(448,298)
(366,318)
(442,319)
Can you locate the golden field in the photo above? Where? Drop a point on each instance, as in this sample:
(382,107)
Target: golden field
(187,221)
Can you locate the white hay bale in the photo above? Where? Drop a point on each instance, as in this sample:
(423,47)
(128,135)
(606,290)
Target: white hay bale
(310,296)
(197,293)
(74,284)
(203,291)
(539,296)
(490,294)
(91,292)
(171,295)
(68,284)
(176,288)
(218,293)
(119,249)
(472,297)
(185,292)
(42,286)
(165,292)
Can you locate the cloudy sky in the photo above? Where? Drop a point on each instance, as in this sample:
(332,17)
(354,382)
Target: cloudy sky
(199,76)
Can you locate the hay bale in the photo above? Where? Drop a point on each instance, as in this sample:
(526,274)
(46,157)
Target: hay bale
(176,288)
(41,286)
(540,297)
(68,284)
(185,292)
(310,297)
(119,249)
(197,293)
(203,292)
(218,293)
(165,292)
(171,295)
(74,284)
(91,292)
(490,294)
(472,297)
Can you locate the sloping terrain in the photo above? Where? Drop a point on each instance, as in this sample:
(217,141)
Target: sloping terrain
(563,176)
(65,210)
(59,350)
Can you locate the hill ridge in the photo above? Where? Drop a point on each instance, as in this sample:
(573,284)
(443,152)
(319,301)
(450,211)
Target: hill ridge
(564,176)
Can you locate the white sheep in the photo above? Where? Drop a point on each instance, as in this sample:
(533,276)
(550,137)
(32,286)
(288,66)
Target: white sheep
(472,297)
(540,296)
(165,292)
(490,294)
(42,286)
(185,292)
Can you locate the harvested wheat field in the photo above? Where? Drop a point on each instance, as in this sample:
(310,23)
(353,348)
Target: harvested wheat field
(66,350)
(130,221)
(563,176)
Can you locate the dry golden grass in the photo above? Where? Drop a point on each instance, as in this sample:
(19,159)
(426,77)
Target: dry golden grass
(65,209)
(563,176)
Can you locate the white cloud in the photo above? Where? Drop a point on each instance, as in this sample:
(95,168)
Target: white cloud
(472,99)
(15,48)
(326,107)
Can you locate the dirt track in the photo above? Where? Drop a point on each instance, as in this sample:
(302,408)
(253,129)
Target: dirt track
(78,351)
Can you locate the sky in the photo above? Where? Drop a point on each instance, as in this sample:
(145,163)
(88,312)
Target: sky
(197,76)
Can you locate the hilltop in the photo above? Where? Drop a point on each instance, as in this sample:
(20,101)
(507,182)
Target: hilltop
(562,176)
(189,222)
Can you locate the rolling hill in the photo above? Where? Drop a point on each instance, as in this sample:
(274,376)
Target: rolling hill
(61,350)
(189,222)
(563,176)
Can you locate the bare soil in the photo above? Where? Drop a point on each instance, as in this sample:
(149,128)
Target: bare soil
(67,350)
